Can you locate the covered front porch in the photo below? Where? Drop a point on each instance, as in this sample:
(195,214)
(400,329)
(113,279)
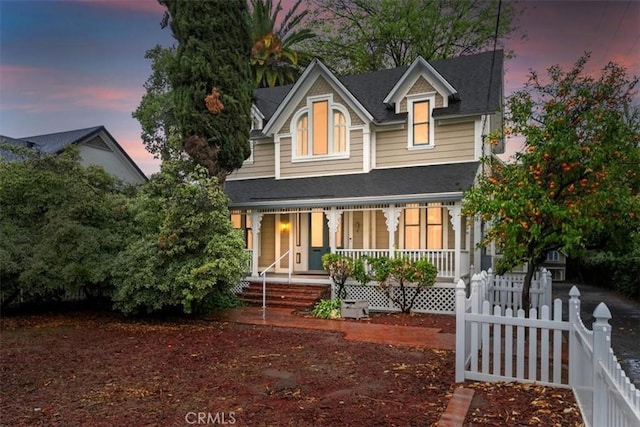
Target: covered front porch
(292,241)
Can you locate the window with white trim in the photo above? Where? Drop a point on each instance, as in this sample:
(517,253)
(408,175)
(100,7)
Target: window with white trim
(321,130)
(421,130)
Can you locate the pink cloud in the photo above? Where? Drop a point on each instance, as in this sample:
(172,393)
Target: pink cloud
(35,89)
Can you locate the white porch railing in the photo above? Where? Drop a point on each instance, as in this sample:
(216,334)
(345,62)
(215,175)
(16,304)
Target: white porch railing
(442,259)
(490,341)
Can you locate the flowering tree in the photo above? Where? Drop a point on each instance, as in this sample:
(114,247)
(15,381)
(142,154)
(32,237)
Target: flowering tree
(576,184)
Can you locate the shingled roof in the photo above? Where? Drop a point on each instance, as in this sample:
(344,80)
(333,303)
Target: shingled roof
(469,75)
(53,143)
(389,185)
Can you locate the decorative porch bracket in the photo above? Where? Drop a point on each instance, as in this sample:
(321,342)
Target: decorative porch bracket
(392,215)
(256,222)
(333,221)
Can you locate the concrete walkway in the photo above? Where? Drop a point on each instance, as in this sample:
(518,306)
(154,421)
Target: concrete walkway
(406,336)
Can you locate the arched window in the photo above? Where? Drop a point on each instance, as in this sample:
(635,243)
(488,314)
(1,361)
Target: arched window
(321,130)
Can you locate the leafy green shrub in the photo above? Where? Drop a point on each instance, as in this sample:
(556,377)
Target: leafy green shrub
(183,254)
(327,309)
(618,272)
(410,277)
(340,268)
(61,226)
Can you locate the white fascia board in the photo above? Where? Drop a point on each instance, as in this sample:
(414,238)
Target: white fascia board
(308,77)
(432,76)
(256,112)
(373,200)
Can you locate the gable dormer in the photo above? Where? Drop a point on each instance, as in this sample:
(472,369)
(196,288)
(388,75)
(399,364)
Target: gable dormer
(418,92)
(316,80)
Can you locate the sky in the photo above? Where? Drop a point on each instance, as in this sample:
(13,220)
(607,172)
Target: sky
(68,65)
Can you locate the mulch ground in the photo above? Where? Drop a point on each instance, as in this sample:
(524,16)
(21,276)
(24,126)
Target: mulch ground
(100,369)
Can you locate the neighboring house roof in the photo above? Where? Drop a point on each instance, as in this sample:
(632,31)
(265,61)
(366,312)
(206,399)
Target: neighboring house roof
(446,181)
(476,91)
(56,142)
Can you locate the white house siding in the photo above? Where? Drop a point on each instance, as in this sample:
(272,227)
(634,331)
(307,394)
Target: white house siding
(267,239)
(324,166)
(453,143)
(263,162)
(97,153)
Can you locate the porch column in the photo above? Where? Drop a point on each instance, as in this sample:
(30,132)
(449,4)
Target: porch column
(333,221)
(256,219)
(392,215)
(456,224)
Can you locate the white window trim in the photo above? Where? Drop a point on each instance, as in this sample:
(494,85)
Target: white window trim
(249,160)
(412,99)
(307,110)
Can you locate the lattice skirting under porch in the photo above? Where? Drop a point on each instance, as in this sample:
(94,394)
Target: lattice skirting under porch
(439,298)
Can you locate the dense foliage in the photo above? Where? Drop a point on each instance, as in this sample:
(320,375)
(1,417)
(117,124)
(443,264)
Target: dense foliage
(182,253)
(410,277)
(577,184)
(156,111)
(356,36)
(211,81)
(61,225)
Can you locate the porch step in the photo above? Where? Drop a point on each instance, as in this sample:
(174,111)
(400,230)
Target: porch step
(285,295)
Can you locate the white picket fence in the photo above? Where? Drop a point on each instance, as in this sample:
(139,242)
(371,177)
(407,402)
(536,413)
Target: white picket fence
(494,343)
(506,290)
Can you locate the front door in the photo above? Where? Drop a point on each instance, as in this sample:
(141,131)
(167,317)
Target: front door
(318,239)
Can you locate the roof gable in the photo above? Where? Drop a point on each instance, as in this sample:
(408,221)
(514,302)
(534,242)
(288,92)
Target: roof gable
(419,68)
(96,137)
(296,93)
(477,80)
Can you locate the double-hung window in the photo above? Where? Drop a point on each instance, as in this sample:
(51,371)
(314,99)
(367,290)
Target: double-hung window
(421,130)
(321,130)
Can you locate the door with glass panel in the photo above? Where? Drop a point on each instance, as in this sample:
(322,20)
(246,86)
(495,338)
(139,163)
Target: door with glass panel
(318,240)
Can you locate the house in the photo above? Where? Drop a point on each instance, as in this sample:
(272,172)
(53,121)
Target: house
(368,164)
(96,145)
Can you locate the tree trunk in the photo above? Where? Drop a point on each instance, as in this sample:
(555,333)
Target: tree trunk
(526,286)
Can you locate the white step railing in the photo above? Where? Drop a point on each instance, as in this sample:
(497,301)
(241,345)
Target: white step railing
(264,280)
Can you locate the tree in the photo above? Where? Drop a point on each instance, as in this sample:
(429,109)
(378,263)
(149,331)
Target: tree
(61,226)
(156,110)
(211,82)
(365,35)
(275,59)
(182,252)
(576,185)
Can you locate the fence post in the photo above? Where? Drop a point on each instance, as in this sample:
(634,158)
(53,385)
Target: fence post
(461,297)
(601,346)
(574,315)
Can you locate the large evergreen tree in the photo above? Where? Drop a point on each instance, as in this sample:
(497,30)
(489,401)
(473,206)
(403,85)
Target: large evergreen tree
(211,81)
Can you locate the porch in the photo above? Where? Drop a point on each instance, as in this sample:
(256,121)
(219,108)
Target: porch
(293,241)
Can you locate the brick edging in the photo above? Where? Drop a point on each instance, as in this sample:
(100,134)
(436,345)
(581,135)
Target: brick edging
(457,409)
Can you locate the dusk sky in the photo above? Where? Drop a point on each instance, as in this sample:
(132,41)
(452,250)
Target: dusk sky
(68,65)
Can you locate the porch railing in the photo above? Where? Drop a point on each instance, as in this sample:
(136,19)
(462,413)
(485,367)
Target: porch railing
(264,280)
(442,259)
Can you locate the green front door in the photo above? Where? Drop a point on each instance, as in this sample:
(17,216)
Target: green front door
(318,240)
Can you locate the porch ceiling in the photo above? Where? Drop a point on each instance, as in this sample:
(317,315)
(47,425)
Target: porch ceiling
(398,185)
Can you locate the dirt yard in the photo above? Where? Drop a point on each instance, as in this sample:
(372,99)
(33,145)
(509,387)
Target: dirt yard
(100,369)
